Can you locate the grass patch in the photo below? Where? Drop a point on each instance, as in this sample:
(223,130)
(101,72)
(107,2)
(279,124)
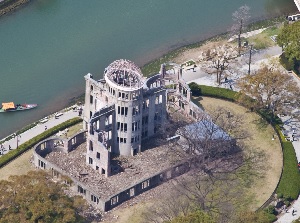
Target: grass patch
(289,184)
(263,40)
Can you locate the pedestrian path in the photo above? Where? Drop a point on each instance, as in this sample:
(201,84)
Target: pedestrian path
(38,129)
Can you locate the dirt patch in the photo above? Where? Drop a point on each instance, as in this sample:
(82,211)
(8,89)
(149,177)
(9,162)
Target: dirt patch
(18,166)
(193,54)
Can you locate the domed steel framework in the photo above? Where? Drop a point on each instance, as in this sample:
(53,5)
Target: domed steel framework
(124,73)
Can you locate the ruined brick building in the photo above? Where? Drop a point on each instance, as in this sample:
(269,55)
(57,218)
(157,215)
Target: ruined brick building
(105,163)
(120,111)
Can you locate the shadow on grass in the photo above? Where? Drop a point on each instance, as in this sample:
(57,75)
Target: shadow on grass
(197,101)
(261,123)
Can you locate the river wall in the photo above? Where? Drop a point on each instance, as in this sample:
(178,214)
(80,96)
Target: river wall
(7,6)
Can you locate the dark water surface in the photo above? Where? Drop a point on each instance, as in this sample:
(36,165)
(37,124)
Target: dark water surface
(48,46)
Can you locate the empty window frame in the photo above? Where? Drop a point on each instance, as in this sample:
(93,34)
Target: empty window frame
(145,184)
(91,147)
(114,200)
(81,190)
(94,199)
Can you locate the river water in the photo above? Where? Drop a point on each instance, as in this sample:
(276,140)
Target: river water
(48,46)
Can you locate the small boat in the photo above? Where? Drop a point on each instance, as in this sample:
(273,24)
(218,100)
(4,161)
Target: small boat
(10,107)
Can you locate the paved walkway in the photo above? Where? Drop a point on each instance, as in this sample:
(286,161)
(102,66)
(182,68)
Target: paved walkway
(29,134)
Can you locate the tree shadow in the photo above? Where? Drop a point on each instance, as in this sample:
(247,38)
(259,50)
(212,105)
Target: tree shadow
(261,123)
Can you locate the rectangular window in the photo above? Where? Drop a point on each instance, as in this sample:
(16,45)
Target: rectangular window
(122,110)
(132,140)
(118,109)
(114,200)
(91,99)
(81,190)
(98,155)
(156,100)
(126,111)
(94,199)
(145,184)
(121,140)
(122,127)
(125,140)
(118,125)
(90,160)
(91,146)
(125,127)
(131,192)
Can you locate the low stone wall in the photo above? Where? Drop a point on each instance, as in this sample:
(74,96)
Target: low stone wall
(146,184)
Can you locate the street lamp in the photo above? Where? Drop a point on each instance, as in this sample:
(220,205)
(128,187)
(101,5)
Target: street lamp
(250,54)
(18,136)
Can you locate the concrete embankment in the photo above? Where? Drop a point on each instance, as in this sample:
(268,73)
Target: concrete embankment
(7,6)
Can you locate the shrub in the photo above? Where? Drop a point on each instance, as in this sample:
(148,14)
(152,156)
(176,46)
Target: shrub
(195,88)
(287,64)
(271,210)
(31,142)
(279,195)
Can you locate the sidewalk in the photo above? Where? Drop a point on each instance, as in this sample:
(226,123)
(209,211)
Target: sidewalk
(29,134)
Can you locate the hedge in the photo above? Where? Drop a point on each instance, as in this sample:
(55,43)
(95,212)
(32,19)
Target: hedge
(222,93)
(289,184)
(30,143)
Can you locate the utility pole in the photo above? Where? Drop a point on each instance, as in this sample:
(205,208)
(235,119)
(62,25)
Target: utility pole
(17,136)
(249,63)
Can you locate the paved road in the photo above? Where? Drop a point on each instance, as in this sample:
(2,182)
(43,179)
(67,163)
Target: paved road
(37,130)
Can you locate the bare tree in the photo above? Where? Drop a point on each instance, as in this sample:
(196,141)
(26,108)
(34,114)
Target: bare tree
(218,60)
(172,205)
(214,152)
(240,17)
(272,89)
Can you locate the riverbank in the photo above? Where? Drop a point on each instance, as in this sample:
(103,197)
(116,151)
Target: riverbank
(7,6)
(154,66)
